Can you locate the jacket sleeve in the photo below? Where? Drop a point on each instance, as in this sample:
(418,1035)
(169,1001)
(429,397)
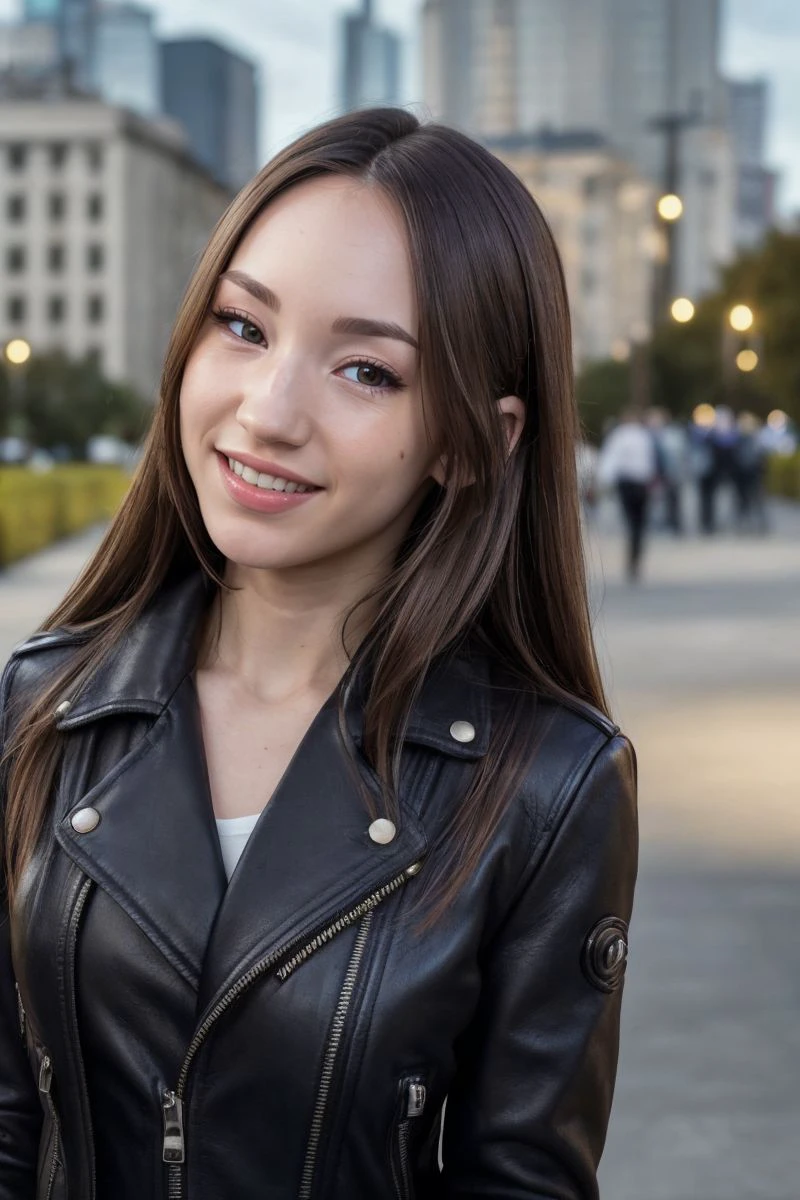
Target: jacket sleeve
(528,1112)
(20,1111)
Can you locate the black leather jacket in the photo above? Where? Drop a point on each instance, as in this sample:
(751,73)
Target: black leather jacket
(293,1034)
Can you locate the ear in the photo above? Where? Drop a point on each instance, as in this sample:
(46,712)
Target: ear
(512,413)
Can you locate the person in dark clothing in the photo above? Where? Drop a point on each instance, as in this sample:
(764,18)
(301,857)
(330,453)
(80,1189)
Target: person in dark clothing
(629,463)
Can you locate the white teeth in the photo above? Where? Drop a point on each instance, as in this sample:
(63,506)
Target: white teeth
(272,483)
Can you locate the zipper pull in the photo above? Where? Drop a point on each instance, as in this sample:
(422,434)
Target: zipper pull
(45,1075)
(20,1012)
(416,1095)
(172,1108)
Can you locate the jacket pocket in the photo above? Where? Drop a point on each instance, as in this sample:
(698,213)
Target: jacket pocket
(50,1165)
(411,1098)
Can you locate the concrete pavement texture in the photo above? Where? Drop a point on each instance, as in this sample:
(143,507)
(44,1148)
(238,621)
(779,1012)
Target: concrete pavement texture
(702,663)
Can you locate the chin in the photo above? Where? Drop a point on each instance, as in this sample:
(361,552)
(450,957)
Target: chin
(240,544)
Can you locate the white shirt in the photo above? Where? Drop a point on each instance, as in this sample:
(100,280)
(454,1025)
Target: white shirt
(628,452)
(233,834)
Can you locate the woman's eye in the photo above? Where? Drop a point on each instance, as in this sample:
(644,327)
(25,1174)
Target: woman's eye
(368,375)
(246,330)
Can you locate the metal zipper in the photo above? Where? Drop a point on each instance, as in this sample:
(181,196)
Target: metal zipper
(413,1105)
(72,940)
(174,1146)
(23,1020)
(329,1061)
(45,1086)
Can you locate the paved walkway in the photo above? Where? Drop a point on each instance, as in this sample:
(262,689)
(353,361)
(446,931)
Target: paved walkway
(703,666)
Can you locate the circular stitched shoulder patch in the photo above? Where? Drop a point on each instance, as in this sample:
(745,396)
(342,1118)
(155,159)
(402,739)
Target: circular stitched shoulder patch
(605,954)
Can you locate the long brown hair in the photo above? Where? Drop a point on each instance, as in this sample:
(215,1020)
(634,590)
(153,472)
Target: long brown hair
(495,554)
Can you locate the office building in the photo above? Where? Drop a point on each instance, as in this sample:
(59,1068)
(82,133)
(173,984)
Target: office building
(371,61)
(618,67)
(127,58)
(29,54)
(599,209)
(102,217)
(755,183)
(75,22)
(213,94)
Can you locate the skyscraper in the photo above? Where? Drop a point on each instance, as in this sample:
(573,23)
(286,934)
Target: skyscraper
(370,61)
(755,182)
(127,58)
(213,93)
(75,21)
(614,67)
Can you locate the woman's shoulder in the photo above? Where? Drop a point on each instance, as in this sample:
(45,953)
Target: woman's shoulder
(33,662)
(572,751)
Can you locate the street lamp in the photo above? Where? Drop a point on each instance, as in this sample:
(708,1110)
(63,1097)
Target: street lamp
(682,310)
(670,207)
(741,318)
(17,351)
(747,360)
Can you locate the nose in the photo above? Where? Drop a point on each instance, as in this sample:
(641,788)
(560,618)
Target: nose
(273,405)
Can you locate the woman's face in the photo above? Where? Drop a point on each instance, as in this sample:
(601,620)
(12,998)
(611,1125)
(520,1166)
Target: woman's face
(301,411)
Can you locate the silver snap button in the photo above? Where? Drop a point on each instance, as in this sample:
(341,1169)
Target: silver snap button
(63,708)
(462,731)
(382,831)
(85,820)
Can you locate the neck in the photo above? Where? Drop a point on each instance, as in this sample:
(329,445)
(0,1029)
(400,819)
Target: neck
(282,636)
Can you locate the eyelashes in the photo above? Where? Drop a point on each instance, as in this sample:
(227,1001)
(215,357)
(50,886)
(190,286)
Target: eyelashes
(390,381)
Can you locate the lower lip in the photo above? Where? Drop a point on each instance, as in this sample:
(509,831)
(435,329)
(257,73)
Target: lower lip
(257,499)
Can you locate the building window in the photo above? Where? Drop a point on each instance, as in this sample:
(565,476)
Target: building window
(591,186)
(16,207)
(94,155)
(17,156)
(56,206)
(95,309)
(15,259)
(95,256)
(95,356)
(58,155)
(94,206)
(56,308)
(56,257)
(16,309)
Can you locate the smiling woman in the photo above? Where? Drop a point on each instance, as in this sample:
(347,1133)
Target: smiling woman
(314,815)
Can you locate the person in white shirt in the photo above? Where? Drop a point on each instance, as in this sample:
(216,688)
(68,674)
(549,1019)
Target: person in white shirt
(629,463)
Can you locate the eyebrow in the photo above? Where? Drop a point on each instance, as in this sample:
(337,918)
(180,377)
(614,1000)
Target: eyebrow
(364,326)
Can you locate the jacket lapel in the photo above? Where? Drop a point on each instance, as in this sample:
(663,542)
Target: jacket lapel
(156,849)
(309,860)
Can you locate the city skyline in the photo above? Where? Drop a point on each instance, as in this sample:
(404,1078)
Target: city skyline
(298,46)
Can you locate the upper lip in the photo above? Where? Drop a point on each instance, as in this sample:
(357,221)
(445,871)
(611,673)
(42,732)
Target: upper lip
(267,468)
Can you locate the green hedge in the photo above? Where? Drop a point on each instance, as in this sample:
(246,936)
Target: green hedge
(39,507)
(783,475)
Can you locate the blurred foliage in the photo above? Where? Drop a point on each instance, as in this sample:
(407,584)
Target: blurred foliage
(57,402)
(694,363)
(39,507)
(783,476)
(603,390)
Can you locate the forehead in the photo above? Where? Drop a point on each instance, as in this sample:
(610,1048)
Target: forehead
(334,235)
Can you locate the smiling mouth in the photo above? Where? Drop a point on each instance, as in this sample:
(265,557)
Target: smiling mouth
(267,483)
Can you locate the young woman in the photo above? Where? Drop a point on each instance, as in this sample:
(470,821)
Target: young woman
(319,842)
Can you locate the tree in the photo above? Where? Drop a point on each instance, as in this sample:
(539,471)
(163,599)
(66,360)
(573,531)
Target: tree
(59,402)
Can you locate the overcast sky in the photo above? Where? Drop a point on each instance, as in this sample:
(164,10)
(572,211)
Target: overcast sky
(296,41)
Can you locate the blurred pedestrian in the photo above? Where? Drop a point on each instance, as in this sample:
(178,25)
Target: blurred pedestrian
(314,815)
(749,469)
(586,456)
(672,455)
(629,463)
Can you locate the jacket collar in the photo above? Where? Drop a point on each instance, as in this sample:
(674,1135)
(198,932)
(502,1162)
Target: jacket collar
(143,671)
